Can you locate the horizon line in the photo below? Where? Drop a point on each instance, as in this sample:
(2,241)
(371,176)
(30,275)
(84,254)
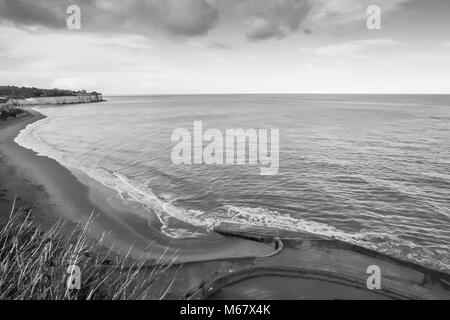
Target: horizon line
(260,94)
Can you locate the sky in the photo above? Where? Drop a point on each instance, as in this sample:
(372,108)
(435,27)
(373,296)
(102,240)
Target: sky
(135,47)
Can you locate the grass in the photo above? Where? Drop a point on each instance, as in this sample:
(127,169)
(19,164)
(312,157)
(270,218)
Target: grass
(34,265)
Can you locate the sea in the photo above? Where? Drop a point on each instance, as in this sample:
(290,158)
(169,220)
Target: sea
(371,170)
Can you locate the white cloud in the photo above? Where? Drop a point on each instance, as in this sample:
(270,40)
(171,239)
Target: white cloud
(357,49)
(77,60)
(426,56)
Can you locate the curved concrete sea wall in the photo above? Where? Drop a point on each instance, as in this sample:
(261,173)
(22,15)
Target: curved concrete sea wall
(86,98)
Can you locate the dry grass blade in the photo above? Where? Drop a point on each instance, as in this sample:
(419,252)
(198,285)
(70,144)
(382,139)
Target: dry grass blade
(33,264)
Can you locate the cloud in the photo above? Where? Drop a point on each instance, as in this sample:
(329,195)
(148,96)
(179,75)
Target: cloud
(262,29)
(213,45)
(357,49)
(426,56)
(185,17)
(218,45)
(257,20)
(80,60)
(268,19)
(275,18)
(28,12)
(175,17)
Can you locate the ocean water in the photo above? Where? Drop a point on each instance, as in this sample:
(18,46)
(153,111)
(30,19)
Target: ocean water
(370,170)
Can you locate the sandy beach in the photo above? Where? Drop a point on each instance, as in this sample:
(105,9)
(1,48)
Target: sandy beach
(15,181)
(55,192)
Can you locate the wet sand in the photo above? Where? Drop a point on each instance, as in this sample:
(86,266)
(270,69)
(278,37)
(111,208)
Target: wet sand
(56,192)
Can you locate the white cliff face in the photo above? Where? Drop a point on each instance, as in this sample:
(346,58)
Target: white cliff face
(87,98)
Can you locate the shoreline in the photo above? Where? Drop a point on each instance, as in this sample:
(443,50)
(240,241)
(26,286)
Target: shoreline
(16,183)
(56,192)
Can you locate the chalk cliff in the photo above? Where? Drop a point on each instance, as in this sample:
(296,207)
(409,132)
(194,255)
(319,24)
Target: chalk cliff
(82,98)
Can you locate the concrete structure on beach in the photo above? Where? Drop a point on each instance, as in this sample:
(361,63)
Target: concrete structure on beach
(309,266)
